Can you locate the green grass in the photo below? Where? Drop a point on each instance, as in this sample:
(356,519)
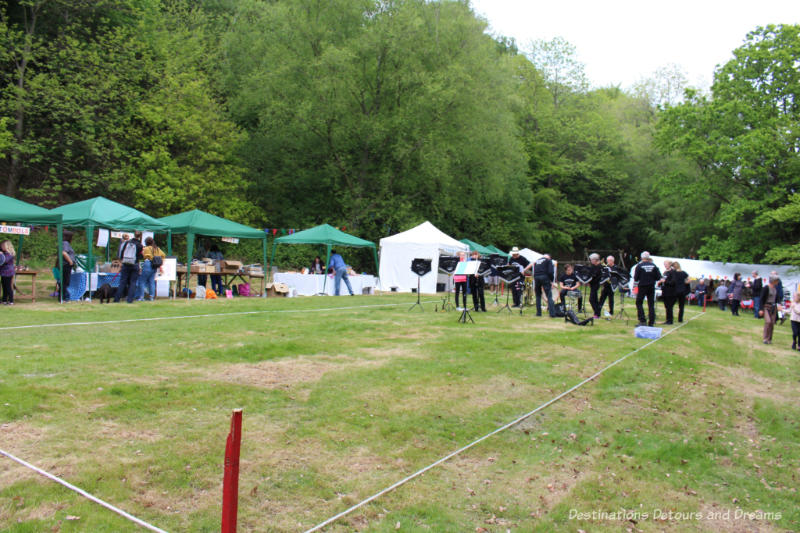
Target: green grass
(339,404)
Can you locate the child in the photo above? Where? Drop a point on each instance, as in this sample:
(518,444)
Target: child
(795,308)
(7,271)
(461,283)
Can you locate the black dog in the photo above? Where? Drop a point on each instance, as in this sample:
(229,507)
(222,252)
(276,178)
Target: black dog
(105,292)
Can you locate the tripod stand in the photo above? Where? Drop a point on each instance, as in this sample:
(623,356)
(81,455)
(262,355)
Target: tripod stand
(465,315)
(420,267)
(622,314)
(447,305)
(508,294)
(418,294)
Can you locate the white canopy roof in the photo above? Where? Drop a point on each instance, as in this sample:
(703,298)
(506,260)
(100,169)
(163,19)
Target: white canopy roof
(530,255)
(790,276)
(426,233)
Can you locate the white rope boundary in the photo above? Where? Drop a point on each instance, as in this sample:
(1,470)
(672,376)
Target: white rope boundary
(496,431)
(207,315)
(83,493)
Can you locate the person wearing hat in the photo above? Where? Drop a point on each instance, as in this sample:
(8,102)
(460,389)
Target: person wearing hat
(522,263)
(645,276)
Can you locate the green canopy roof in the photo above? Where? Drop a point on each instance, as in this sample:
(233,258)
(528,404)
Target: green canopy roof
(104,213)
(13,210)
(202,223)
(474,246)
(495,250)
(324,234)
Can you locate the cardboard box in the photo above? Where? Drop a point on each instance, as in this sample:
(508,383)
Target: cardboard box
(227,265)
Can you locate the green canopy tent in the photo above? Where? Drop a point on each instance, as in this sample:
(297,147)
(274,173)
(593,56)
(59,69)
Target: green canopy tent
(475,247)
(13,210)
(101,212)
(197,222)
(327,235)
(495,250)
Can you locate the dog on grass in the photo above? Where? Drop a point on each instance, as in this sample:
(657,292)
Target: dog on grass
(105,292)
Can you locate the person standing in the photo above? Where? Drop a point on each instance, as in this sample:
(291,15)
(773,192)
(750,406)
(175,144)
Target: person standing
(795,318)
(461,283)
(608,292)
(700,291)
(668,292)
(769,302)
(522,263)
(596,271)
(645,276)
(216,279)
(7,271)
(722,295)
(340,272)
(68,255)
(681,280)
(147,280)
(756,286)
(476,284)
(779,286)
(735,293)
(543,277)
(130,253)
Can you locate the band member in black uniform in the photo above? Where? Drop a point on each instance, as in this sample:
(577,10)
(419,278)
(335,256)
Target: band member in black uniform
(523,265)
(645,276)
(568,282)
(543,276)
(681,280)
(596,269)
(668,293)
(608,292)
(476,283)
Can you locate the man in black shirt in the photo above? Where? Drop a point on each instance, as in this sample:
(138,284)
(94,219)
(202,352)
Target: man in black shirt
(568,283)
(596,269)
(543,276)
(756,287)
(608,292)
(645,276)
(523,265)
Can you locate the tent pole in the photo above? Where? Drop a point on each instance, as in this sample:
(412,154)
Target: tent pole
(189,247)
(272,259)
(375,254)
(60,231)
(89,256)
(169,242)
(264,252)
(19,247)
(327,266)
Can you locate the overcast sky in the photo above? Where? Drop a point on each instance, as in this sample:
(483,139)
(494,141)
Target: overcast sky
(622,41)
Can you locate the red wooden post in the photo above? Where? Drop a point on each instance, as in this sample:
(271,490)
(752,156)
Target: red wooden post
(230,481)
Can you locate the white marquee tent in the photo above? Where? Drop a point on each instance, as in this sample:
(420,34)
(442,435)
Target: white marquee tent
(425,241)
(530,255)
(790,276)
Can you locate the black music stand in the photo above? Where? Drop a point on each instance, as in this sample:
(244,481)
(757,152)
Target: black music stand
(420,267)
(509,274)
(583,273)
(496,260)
(465,311)
(448,264)
(620,278)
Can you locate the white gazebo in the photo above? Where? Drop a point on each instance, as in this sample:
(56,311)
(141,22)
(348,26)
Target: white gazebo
(425,241)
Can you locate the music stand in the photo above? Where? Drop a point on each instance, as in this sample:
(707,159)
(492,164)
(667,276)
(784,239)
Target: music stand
(620,278)
(496,260)
(467,268)
(584,274)
(448,264)
(420,267)
(509,274)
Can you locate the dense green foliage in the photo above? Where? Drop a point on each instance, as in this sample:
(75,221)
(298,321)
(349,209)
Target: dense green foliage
(379,114)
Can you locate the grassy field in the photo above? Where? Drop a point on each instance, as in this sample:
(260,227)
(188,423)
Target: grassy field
(698,432)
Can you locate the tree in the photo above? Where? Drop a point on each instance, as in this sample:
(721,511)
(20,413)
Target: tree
(744,143)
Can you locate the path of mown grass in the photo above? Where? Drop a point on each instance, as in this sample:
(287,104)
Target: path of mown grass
(339,404)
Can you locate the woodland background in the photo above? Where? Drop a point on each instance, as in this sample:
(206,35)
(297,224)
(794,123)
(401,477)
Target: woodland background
(378,115)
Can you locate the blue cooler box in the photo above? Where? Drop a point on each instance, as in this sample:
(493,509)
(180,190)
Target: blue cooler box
(646,332)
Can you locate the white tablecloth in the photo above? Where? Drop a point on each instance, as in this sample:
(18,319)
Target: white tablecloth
(311,284)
